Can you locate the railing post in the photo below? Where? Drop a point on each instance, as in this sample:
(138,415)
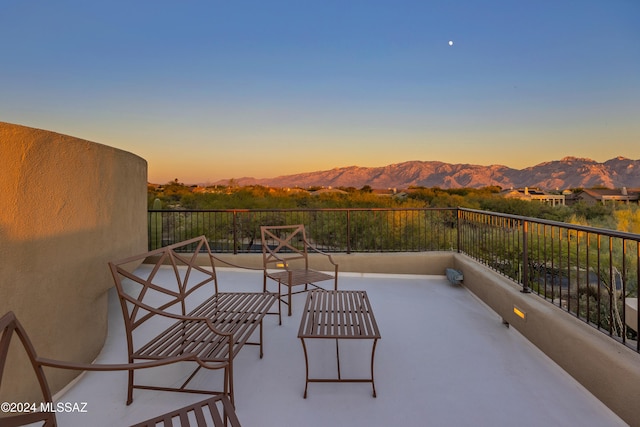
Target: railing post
(235,233)
(458,213)
(525,257)
(348,231)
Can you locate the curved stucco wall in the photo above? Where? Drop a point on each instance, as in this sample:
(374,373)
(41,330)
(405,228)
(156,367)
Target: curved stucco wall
(67,207)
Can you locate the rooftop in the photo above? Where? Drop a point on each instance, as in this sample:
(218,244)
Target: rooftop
(444,359)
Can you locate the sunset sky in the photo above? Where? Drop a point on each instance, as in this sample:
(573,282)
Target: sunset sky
(209,90)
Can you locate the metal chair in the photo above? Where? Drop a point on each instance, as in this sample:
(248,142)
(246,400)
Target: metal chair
(216,410)
(285,256)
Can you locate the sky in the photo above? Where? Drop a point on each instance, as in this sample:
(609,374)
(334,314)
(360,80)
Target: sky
(210,90)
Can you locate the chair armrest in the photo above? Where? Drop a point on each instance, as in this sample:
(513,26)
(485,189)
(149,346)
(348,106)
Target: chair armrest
(110,367)
(53,363)
(318,251)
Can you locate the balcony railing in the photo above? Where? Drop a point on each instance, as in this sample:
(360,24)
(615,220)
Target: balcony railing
(332,230)
(587,272)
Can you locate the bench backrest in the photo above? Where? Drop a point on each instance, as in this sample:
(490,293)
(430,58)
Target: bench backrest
(140,291)
(283,243)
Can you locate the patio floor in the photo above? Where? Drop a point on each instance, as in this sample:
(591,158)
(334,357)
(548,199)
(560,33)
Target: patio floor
(445,359)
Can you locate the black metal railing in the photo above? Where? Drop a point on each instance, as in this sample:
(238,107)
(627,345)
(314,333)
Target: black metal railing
(331,230)
(588,272)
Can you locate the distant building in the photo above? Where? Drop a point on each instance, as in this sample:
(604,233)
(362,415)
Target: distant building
(534,194)
(295,190)
(605,195)
(389,192)
(328,191)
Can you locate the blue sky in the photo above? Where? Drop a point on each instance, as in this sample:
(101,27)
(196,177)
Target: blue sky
(208,90)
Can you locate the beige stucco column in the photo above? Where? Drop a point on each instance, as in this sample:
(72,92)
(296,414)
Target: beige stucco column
(67,206)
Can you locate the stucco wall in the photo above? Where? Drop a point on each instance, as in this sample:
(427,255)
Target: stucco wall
(372,262)
(67,207)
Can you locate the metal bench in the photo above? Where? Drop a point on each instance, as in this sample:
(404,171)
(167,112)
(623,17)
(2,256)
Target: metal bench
(212,326)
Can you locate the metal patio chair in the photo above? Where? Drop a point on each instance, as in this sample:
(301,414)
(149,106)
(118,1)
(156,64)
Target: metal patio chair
(216,410)
(285,256)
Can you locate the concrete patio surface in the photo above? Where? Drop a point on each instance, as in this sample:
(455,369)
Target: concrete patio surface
(445,359)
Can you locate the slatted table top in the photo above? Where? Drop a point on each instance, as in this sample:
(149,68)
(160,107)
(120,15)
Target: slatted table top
(338,314)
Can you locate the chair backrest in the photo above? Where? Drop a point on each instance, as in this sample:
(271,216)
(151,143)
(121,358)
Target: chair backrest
(10,327)
(283,243)
(140,291)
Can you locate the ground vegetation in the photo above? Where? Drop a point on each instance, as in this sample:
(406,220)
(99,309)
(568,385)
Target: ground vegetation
(175,195)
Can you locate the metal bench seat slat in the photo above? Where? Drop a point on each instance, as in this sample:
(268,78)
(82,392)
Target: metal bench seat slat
(239,313)
(207,350)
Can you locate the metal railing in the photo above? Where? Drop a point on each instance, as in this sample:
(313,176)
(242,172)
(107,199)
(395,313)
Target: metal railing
(587,272)
(331,230)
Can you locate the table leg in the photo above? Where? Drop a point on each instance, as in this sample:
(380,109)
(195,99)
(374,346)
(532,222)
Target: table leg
(373,354)
(338,359)
(306,366)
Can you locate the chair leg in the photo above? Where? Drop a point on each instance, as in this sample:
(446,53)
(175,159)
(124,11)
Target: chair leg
(261,339)
(229,382)
(279,303)
(130,386)
(289,300)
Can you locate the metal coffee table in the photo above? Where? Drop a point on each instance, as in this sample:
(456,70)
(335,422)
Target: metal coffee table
(338,315)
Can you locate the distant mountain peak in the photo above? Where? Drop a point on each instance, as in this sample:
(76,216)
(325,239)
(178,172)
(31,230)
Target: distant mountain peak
(569,172)
(570,159)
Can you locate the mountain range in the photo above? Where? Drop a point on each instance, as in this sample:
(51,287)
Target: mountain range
(569,172)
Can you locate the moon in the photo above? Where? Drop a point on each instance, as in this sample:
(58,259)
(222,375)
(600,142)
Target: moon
(450,42)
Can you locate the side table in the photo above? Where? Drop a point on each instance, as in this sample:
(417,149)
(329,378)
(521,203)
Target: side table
(338,315)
